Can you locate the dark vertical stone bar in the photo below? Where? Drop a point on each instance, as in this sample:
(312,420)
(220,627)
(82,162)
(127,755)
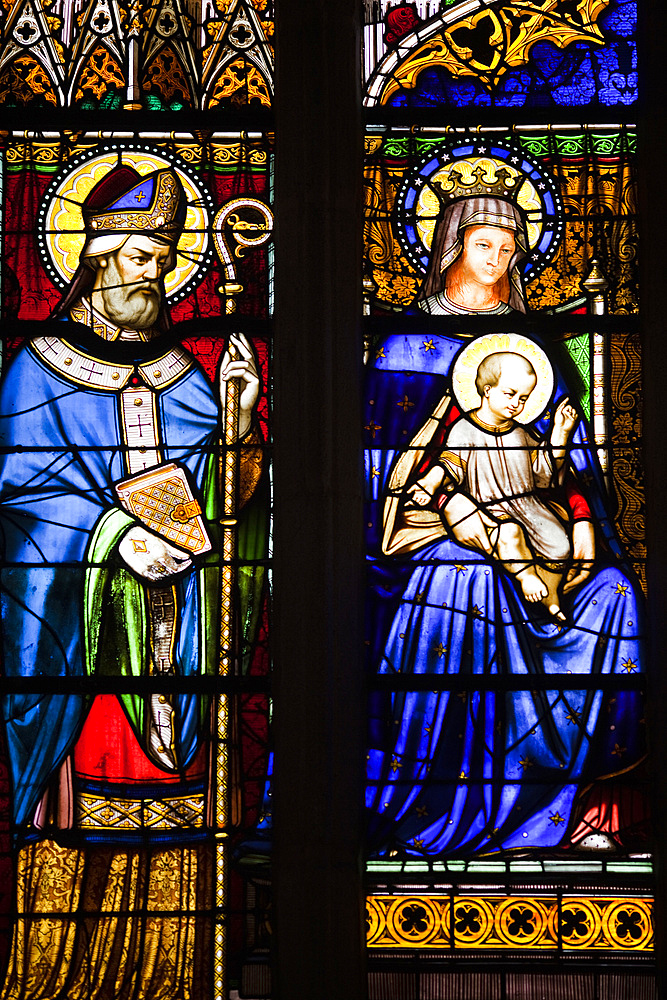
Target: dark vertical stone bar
(319,689)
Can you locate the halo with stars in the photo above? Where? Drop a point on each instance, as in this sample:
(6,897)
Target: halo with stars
(418,206)
(464,371)
(60,221)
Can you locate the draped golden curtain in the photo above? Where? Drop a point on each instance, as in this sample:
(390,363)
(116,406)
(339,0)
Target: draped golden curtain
(104,923)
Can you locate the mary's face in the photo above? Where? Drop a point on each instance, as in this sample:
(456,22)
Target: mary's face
(487,252)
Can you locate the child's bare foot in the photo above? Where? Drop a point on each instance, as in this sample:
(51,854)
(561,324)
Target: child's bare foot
(555,611)
(533,587)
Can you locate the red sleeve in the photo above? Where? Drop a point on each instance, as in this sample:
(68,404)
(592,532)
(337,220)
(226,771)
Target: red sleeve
(438,440)
(577,503)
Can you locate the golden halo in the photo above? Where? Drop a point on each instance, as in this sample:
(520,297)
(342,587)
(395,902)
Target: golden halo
(465,368)
(527,198)
(64,235)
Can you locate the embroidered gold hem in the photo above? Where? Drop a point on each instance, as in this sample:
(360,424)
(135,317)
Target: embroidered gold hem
(181,812)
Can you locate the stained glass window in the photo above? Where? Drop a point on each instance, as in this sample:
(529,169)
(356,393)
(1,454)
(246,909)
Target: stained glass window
(507,786)
(137,296)
(144,867)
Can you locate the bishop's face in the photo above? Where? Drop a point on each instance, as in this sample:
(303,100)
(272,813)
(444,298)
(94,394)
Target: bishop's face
(127,285)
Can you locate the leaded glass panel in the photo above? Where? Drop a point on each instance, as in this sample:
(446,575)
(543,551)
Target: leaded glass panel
(135,586)
(168,56)
(508,797)
(466,53)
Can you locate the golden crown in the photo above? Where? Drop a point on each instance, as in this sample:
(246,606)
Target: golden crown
(500,184)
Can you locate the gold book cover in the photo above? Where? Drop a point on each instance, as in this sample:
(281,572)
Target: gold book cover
(161,498)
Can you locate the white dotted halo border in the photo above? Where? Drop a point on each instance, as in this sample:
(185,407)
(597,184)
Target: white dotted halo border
(464,371)
(61,235)
(417,204)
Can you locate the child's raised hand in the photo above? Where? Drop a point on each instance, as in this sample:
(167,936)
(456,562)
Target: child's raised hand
(565,417)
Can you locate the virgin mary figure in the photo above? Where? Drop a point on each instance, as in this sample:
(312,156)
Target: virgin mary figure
(478,245)
(500,761)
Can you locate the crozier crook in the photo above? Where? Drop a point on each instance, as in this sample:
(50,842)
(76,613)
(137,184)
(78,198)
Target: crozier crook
(247,232)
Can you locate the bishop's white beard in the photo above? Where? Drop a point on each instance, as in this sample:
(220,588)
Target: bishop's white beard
(134,306)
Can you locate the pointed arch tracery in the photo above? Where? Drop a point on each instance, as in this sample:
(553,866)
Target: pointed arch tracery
(32,48)
(238,64)
(166,78)
(239,83)
(166,53)
(100,73)
(25,81)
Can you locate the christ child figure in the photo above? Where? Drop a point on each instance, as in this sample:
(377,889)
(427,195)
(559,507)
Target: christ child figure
(491,470)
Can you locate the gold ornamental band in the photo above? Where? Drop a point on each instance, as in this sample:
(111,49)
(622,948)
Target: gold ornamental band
(537,922)
(180,812)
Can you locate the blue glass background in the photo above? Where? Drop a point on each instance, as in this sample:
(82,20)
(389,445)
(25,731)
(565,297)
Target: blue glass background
(456,774)
(581,75)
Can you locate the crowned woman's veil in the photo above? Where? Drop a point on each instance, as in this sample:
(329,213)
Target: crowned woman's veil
(447,245)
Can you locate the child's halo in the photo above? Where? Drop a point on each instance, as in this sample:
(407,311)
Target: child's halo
(465,368)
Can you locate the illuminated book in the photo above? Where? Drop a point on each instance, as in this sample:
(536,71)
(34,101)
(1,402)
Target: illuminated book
(162,499)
